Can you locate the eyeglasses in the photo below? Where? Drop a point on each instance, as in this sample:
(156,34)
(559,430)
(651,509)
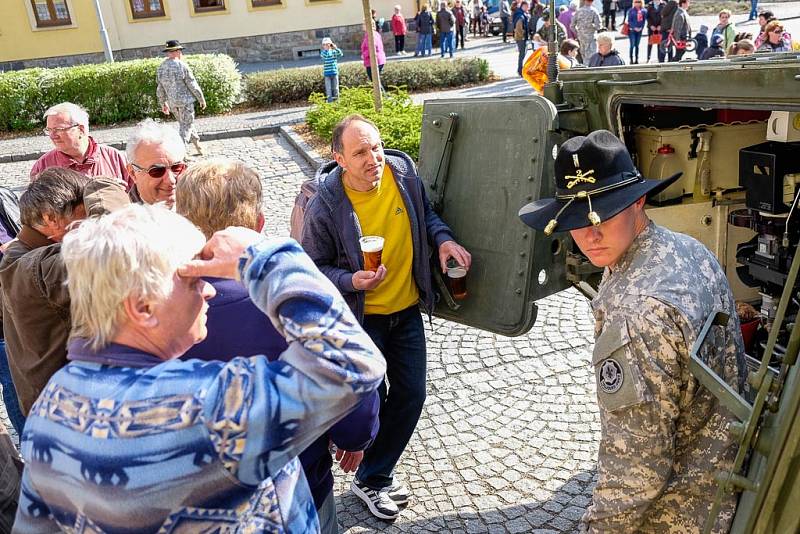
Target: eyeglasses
(158,171)
(48,131)
(777,32)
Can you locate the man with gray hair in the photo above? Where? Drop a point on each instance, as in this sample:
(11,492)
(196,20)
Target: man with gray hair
(156,158)
(68,130)
(163,444)
(36,318)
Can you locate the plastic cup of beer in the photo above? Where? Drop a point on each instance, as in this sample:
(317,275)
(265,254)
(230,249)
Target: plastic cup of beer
(372,249)
(457,281)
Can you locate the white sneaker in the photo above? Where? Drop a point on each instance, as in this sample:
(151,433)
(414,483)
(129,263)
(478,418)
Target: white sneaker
(398,492)
(378,502)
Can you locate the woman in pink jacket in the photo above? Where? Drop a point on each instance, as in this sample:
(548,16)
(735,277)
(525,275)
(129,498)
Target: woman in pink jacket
(380,55)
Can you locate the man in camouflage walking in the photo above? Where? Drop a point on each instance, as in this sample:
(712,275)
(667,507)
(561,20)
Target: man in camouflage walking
(585,24)
(663,435)
(178,91)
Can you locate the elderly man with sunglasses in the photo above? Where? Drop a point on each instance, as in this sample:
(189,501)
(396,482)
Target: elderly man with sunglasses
(156,155)
(68,130)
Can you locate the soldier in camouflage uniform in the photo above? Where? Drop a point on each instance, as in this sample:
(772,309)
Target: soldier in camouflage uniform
(663,435)
(585,24)
(177,92)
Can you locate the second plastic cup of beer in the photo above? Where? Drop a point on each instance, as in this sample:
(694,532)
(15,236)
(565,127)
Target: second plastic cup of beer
(457,281)
(372,249)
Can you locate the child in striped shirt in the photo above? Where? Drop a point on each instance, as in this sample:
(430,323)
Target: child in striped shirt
(330,68)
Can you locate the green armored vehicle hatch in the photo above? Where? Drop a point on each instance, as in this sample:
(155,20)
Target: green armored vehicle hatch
(733,128)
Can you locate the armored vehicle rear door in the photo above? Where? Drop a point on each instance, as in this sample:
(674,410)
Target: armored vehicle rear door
(481,160)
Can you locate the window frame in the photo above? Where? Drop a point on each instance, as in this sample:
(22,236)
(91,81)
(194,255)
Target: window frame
(149,14)
(215,9)
(256,4)
(56,22)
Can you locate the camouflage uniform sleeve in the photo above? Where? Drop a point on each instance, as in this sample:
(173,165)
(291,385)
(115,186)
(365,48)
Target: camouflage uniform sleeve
(161,92)
(640,359)
(193,86)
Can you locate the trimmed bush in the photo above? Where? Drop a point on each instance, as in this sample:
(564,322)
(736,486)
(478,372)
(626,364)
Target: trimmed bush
(399,121)
(293,85)
(110,92)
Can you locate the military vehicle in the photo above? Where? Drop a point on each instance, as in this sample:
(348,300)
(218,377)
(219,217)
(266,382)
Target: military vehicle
(733,127)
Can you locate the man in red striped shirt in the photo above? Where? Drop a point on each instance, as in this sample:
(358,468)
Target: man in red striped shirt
(68,129)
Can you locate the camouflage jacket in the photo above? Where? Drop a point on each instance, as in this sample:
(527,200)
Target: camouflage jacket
(663,436)
(176,84)
(585,21)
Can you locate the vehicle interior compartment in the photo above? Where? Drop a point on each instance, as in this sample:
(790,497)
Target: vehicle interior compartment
(737,194)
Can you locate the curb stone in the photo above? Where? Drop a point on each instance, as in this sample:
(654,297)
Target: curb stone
(303,148)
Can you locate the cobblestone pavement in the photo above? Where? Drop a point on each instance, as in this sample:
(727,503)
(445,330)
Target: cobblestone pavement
(509,433)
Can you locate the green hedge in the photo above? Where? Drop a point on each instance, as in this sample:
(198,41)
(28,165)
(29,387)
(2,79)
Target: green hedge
(292,85)
(110,92)
(399,121)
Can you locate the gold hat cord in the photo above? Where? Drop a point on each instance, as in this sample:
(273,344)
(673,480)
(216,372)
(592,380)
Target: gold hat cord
(593,217)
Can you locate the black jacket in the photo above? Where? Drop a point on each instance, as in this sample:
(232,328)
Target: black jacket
(667,14)
(611,60)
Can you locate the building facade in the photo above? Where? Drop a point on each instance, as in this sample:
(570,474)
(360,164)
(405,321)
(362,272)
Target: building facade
(54,33)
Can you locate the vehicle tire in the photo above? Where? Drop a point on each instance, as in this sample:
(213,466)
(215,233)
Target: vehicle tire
(495,32)
(691,45)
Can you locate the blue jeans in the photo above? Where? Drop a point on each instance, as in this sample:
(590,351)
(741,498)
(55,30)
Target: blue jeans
(327,516)
(506,23)
(10,393)
(424,44)
(401,338)
(332,87)
(634,38)
(522,48)
(753,10)
(446,43)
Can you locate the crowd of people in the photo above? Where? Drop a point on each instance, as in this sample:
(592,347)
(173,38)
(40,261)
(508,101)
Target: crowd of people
(103,285)
(661,25)
(665,25)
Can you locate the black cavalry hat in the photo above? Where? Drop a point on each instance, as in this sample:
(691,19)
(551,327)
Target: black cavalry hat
(172,45)
(595,179)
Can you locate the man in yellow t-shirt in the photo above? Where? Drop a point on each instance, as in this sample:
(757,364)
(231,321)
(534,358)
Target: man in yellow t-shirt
(369,191)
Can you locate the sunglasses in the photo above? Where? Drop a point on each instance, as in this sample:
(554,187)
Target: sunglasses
(158,171)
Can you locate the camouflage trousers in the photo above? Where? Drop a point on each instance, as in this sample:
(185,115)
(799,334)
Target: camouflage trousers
(588,46)
(185,117)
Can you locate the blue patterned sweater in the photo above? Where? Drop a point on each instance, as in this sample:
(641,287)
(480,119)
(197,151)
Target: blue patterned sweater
(135,444)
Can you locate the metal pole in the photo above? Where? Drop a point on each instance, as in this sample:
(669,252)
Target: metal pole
(103,33)
(369,27)
(552,89)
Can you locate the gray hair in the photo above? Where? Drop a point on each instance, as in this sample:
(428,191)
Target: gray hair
(55,192)
(338,131)
(133,251)
(605,37)
(152,132)
(77,115)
